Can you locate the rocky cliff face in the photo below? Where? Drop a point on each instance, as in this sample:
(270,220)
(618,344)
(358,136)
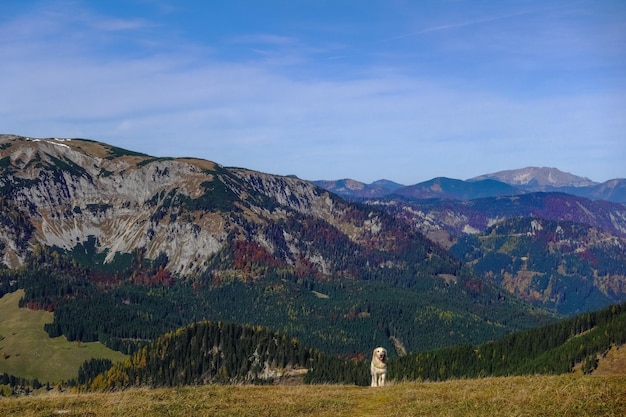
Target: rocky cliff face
(62,192)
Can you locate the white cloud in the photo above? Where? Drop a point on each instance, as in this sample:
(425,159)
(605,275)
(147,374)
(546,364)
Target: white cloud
(380,123)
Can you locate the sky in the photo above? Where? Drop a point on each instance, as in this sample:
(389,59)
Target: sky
(392,89)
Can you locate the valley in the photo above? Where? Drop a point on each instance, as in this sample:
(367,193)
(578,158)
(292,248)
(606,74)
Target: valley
(121,248)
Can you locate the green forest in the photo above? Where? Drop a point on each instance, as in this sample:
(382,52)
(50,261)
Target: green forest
(550,349)
(218,353)
(209,353)
(128,304)
(223,353)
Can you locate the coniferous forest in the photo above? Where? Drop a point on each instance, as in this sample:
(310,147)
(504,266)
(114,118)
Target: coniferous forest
(220,352)
(137,300)
(550,349)
(207,352)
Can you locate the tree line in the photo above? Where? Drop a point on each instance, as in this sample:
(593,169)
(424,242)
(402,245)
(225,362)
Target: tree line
(551,349)
(221,353)
(130,307)
(214,353)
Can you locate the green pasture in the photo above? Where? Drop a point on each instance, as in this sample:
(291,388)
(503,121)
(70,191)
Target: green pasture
(27,351)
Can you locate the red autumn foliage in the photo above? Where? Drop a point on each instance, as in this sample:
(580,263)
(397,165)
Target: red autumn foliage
(162,277)
(248,254)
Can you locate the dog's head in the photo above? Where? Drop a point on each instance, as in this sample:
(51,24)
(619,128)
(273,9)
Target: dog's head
(380,353)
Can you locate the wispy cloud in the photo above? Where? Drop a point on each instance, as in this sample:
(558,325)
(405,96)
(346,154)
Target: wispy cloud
(185,100)
(115,25)
(264,38)
(456,25)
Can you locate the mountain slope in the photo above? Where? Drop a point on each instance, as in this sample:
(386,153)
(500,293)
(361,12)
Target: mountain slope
(566,266)
(482,231)
(74,189)
(124,247)
(553,349)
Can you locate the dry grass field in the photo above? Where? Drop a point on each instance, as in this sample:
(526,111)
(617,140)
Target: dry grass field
(613,363)
(571,395)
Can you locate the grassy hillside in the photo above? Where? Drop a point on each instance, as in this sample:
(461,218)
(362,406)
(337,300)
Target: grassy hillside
(519,396)
(27,351)
(612,363)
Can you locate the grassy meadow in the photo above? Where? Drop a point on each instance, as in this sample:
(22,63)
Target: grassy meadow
(570,395)
(27,351)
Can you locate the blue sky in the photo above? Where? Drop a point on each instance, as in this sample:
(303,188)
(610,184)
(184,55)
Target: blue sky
(396,89)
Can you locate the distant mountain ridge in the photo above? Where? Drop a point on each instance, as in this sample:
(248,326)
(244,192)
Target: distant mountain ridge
(537,178)
(452,189)
(356,189)
(458,217)
(498,184)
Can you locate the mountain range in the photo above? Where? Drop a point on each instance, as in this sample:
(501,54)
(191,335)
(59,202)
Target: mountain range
(479,221)
(124,247)
(502,183)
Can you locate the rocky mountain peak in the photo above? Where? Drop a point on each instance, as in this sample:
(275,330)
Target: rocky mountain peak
(537,178)
(69,192)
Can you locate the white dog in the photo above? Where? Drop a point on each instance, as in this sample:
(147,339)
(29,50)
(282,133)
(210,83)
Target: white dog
(379,367)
